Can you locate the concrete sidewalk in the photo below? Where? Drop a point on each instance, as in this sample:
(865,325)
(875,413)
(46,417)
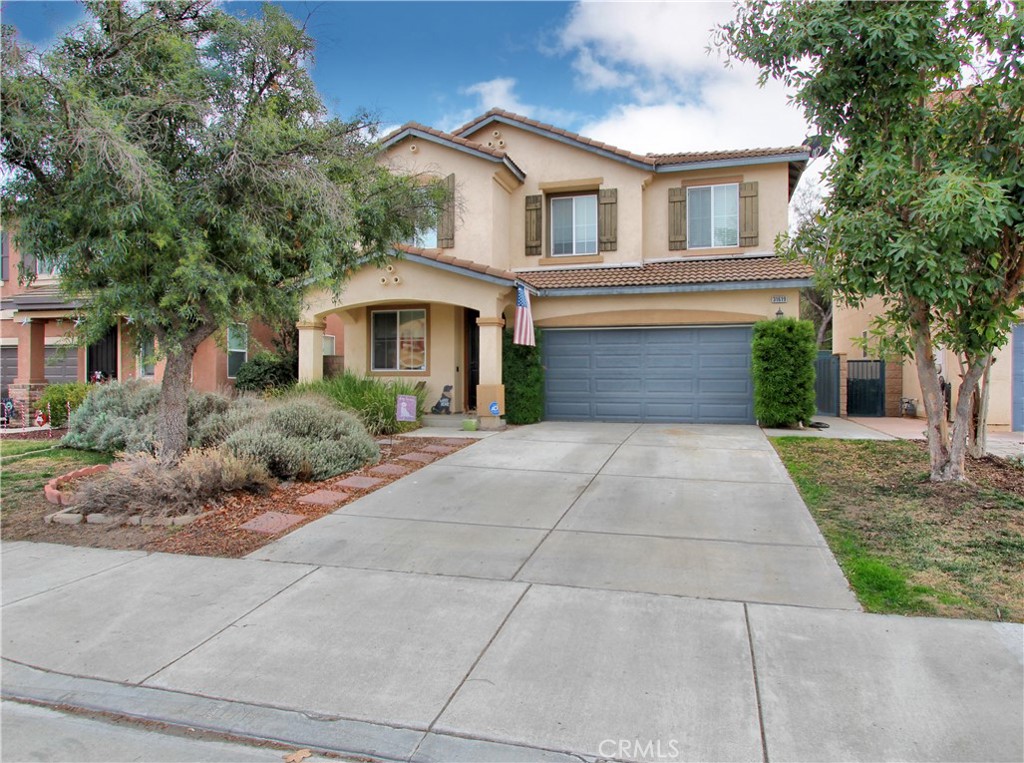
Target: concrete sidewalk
(570,614)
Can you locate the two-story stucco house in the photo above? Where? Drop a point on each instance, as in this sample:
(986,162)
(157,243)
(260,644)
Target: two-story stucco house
(646,273)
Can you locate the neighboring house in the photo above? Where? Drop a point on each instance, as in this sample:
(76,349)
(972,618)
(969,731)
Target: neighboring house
(646,273)
(1006,395)
(36,344)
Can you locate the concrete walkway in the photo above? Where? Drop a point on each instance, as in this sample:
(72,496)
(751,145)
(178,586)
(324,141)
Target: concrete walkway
(553,592)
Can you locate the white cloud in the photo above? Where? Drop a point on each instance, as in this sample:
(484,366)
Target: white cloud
(675,96)
(500,93)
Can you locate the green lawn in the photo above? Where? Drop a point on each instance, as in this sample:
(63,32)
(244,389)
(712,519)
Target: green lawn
(16,447)
(907,545)
(23,478)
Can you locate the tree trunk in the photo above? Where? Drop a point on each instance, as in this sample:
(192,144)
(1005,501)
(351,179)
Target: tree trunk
(931,393)
(826,321)
(962,421)
(172,427)
(977,443)
(172,424)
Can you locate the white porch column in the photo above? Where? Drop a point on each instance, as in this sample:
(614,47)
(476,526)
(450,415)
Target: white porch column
(311,350)
(490,389)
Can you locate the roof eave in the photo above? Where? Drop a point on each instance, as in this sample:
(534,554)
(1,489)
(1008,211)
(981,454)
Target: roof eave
(412,132)
(736,161)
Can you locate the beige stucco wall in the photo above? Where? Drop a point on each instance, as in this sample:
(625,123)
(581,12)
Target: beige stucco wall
(772,208)
(848,324)
(717,307)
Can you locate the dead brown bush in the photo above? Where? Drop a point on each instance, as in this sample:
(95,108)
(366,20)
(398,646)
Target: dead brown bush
(141,484)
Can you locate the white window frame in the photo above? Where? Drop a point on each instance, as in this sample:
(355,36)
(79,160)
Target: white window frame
(689,217)
(551,216)
(44,272)
(398,338)
(334,344)
(244,351)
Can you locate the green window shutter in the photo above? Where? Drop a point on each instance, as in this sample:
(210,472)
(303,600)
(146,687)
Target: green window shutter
(607,219)
(676,219)
(748,214)
(534,228)
(446,220)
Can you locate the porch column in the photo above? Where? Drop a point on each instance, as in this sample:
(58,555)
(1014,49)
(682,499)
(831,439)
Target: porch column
(490,389)
(311,350)
(30,380)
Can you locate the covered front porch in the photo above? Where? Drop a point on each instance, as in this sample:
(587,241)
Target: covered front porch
(424,318)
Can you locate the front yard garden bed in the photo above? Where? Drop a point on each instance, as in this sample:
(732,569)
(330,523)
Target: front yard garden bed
(910,546)
(219,531)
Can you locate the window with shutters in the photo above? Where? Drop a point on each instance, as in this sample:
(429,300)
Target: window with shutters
(574,225)
(713,216)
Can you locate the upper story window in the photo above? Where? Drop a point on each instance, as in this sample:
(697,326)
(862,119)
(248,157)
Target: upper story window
(238,347)
(712,215)
(45,269)
(399,340)
(574,224)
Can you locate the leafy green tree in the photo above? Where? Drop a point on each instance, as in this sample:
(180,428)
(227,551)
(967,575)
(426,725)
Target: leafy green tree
(925,104)
(177,165)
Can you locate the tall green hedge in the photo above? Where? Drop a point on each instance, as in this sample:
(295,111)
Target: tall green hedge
(523,375)
(783,365)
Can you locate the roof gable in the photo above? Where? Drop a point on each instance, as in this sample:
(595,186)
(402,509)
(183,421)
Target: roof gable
(423,132)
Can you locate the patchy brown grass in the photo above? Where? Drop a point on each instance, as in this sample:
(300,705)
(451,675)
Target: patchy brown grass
(217,534)
(911,546)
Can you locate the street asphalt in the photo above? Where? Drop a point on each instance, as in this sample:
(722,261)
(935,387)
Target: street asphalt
(555,592)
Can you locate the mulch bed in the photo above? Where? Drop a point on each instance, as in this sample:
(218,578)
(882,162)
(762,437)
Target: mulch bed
(34,434)
(220,532)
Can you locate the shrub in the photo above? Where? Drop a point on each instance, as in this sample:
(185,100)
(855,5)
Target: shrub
(523,374)
(217,427)
(265,370)
(122,416)
(783,368)
(304,437)
(372,400)
(58,396)
(141,484)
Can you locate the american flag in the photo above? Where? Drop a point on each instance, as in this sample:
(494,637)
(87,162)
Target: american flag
(523,333)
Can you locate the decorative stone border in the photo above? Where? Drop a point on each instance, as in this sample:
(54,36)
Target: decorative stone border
(52,489)
(68,516)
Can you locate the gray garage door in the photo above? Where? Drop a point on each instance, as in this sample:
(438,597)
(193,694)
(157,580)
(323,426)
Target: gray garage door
(1017,393)
(61,365)
(8,368)
(692,374)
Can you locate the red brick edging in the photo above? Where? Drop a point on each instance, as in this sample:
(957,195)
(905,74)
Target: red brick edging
(52,489)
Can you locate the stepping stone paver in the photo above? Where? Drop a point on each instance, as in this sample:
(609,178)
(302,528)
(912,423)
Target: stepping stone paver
(442,449)
(389,470)
(453,441)
(358,482)
(385,441)
(272,522)
(324,497)
(419,456)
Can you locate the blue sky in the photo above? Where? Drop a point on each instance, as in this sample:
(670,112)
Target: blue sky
(635,75)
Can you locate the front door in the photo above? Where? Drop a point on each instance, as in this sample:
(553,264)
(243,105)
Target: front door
(102,356)
(472,332)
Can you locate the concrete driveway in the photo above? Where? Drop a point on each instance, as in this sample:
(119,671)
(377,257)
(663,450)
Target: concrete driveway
(556,592)
(703,511)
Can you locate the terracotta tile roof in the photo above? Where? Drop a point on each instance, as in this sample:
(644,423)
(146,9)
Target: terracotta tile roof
(668,273)
(652,160)
(459,141)
(711,156)
(437,255)
(475,123)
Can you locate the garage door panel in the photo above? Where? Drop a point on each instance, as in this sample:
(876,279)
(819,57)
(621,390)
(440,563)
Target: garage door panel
(685,374)
(61,365)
